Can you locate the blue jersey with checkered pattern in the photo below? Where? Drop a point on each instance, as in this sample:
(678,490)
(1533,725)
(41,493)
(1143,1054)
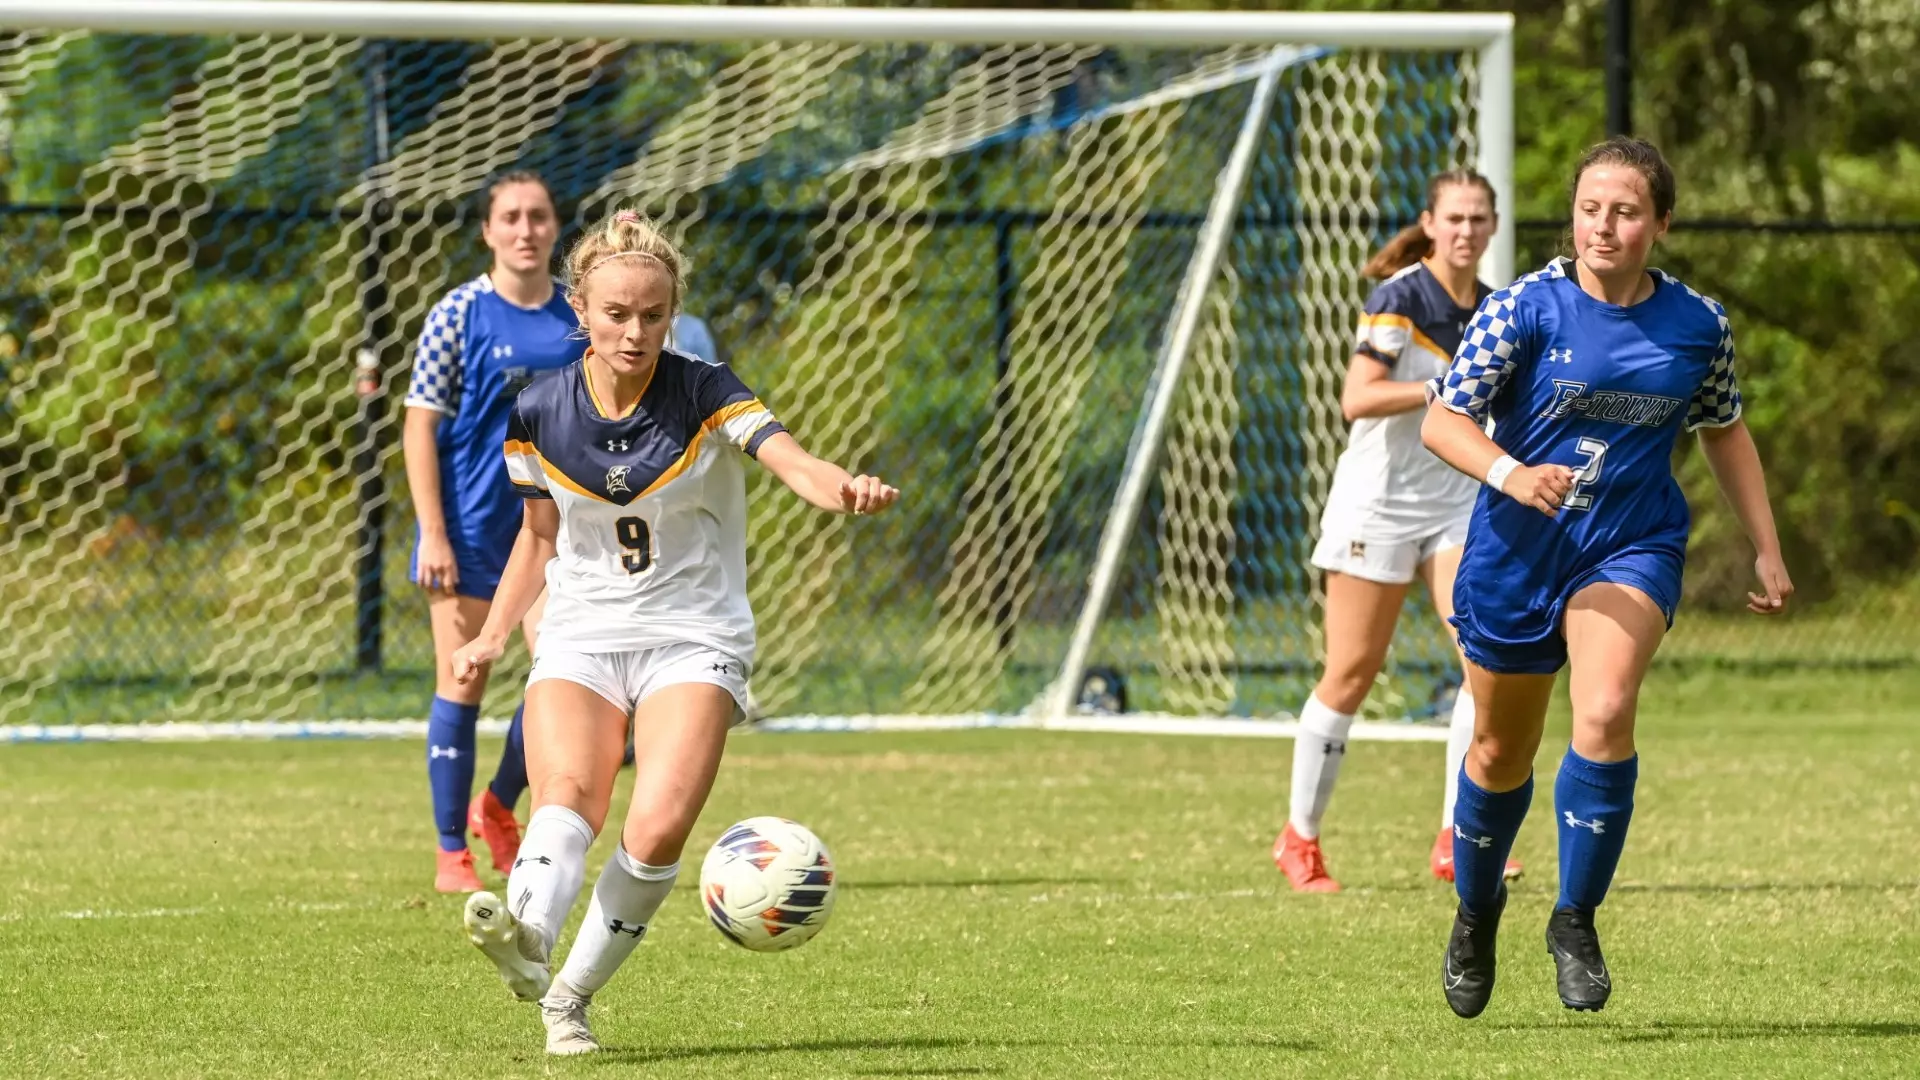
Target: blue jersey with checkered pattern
(1603,389)
(475,354)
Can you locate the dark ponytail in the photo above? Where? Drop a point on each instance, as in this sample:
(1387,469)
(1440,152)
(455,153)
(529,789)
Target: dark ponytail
(1407,247)
(1410,244)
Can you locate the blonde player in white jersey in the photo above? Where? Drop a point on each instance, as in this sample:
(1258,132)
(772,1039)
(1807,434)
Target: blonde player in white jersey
(1395,511)
(636,524)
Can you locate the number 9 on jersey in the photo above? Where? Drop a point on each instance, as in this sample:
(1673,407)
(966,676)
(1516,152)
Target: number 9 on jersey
(637,539)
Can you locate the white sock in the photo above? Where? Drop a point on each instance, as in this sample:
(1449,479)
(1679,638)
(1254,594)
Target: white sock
(1459,737)
(548,873)
(625,899)
(1317,753)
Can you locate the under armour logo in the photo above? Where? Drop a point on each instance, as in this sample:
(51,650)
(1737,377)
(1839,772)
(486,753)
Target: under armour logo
(619,927)
(617,479)
(503,352)
(724,669)
(618,446)
(1481,842)
(442,752)
(541,859)
(1560,356)
(1330,748)
(1597,825)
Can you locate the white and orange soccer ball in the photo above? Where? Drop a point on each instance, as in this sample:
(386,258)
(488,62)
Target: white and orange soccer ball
(768,884)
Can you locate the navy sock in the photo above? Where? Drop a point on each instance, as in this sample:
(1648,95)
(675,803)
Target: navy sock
(510,779)
(1594,804)
(450,768)
(1484,825)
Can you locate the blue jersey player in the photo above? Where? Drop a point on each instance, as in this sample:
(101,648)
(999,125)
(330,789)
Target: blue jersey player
(1589,371)
(483,342)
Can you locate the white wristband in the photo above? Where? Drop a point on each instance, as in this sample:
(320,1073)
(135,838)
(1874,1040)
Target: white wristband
(1497,474)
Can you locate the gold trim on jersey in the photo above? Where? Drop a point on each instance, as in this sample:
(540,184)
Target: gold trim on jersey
(679,466)
(1401,322)
(727,413)
(586,378)
(554,474)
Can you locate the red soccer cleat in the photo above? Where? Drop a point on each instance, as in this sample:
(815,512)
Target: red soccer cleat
(1301,860)
(455,873)
(1441,860)
(493,824)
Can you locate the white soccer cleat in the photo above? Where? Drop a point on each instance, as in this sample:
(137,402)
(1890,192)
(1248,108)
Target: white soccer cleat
(514,949)
(567,1030)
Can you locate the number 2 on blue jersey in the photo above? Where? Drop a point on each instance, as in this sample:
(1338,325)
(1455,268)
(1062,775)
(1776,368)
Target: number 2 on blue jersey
(1587,475)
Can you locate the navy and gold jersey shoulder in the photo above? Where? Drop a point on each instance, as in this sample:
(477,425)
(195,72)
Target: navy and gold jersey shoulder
(1412,307)
(575,441)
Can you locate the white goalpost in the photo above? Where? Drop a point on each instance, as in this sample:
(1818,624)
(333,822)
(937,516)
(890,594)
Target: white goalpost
(1099,269)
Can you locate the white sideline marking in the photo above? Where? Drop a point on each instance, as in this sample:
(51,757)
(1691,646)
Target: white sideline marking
(1130,724)
(193,731)
(183,913)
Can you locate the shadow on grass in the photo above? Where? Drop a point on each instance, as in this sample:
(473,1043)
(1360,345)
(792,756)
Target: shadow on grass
(985,883)
(645,1055)
(1683,1031)
(1714,889)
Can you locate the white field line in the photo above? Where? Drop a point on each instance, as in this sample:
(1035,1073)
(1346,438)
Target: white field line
(112,914)
(1130,724)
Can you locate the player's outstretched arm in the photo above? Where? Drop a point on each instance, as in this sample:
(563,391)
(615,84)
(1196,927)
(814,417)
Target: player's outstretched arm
(1369,390)
(419,446)
(1459,440)
(822,483)
(1735,462)
(520,585)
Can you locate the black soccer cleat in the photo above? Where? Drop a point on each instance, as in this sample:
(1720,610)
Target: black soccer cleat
(1466,973)
(1584,981)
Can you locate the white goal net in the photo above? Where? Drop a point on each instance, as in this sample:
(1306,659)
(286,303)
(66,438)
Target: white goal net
(954,262)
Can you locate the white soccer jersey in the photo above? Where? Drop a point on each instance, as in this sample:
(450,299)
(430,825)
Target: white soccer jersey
(652,547)
(1388,488)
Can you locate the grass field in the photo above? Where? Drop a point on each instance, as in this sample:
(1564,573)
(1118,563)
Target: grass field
(1015,904)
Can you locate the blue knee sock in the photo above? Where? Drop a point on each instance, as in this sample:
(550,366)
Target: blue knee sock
(510,779)
(1594,804)
(450,768)
(1484,825)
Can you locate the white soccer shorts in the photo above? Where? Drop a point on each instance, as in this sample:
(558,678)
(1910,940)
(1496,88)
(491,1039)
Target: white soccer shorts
(1389,563)
(628,678)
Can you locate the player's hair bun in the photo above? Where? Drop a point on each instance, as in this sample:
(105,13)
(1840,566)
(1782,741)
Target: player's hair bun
(626,234)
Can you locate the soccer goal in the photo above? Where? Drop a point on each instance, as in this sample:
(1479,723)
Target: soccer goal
(1082,283)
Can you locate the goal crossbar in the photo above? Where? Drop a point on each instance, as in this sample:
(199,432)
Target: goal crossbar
(445,19)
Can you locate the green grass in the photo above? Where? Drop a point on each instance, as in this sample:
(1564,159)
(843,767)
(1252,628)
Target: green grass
(1014,904)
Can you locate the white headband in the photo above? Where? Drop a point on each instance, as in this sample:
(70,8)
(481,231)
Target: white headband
(605,259)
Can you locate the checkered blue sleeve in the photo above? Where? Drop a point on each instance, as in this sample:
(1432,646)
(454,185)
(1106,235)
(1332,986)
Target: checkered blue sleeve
(1495,341)
(1717,402)
(438,359)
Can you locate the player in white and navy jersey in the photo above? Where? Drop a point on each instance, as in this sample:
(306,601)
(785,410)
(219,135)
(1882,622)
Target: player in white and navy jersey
(632,464)
(1589,370)
(482,343)
(1395,511)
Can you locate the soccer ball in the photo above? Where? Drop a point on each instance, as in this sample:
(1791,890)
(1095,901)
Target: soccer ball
(768,884)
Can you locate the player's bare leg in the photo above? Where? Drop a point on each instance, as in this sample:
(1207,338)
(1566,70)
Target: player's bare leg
(573,750)
(1496,788)
(490,819)
(1612,633)
(455,619)
(1360,616)
(1438,572)
(680,733)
